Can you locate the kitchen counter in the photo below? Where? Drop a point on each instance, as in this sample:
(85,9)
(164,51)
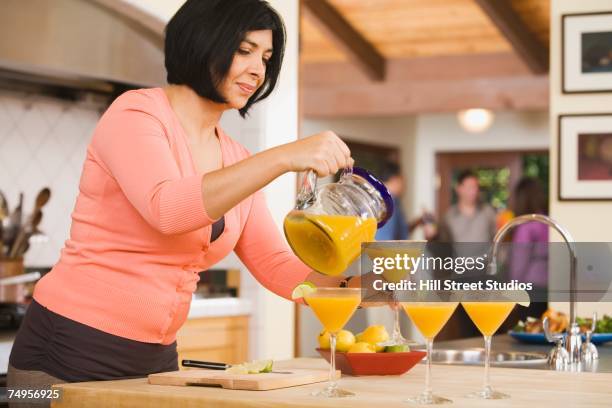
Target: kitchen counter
(526,387)
(506,343)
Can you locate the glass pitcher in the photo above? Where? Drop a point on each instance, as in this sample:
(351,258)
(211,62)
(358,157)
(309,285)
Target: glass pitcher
(329,223)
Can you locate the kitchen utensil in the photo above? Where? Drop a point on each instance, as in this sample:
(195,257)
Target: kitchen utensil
(375,363)
(4,208)
(42,198)
(15,220)
(588,350)
(329,223)
(21,242)
(253,382)
(216,366)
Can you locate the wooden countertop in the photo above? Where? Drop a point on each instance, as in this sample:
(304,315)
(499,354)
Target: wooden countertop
(536,388)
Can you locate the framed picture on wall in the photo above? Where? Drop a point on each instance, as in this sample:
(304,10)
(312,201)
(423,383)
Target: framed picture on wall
(585,157)
(586,48)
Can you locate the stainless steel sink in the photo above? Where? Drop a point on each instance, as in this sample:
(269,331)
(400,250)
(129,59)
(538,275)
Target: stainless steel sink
(498,358)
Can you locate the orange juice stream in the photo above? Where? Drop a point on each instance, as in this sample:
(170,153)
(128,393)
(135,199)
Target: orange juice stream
(328,243)
(488,316)
(333,312)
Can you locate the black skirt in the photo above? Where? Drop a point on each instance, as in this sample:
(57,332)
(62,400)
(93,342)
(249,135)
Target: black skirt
(76,352)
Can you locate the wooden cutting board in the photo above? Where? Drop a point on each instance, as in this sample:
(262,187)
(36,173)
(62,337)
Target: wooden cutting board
(253,382)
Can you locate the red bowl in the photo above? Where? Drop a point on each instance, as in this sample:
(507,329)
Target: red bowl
(374,363)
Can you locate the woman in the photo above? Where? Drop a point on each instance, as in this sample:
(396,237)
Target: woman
(164,194)
(529,262)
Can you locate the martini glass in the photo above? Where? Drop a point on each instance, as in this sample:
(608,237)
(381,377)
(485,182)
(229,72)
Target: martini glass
(429,318)
(333,307)
(488,316)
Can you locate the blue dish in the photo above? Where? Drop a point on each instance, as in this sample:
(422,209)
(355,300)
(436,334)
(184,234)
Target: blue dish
(540,338)
(532,338)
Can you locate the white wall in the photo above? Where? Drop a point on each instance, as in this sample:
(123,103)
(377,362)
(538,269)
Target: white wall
(586,221)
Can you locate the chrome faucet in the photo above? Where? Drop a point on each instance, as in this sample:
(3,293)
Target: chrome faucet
(573,340)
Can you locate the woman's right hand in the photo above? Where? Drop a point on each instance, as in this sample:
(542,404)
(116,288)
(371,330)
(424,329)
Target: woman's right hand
(325,153)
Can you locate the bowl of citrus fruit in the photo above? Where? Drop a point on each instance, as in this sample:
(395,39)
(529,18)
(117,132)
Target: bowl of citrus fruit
(362,354)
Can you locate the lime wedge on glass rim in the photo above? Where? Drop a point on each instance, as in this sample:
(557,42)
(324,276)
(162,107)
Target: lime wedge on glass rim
(303,289)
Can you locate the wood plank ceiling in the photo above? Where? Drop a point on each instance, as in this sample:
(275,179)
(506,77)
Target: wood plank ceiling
(423,56)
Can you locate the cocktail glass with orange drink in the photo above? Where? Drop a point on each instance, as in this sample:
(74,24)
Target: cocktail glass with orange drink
(429,318)
(333,307)
(391,248)
(488,317)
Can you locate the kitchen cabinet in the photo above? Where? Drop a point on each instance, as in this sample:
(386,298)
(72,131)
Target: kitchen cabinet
(222,339)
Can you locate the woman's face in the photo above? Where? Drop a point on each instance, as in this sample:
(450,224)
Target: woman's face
(248,69)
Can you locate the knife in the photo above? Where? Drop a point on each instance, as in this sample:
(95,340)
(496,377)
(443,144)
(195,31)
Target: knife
(216,366)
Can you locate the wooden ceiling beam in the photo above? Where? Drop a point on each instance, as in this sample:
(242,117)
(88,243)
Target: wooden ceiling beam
(419,85)
(524,42)
(357,48)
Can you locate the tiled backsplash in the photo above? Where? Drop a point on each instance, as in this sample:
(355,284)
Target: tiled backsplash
(43,141)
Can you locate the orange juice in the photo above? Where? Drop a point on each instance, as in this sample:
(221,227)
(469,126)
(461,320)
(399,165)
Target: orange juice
(430,317)
(488,316)
(333,311)
(328,243)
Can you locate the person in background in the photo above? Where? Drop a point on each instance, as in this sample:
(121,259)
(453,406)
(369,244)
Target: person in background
(396,227)
(529,260)
(469,220)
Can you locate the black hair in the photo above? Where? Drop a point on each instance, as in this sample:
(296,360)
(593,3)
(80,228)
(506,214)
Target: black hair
(203,36)
(465,174)
(529,197)
(389,169)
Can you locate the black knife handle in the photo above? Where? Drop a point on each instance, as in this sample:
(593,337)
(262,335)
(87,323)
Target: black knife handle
(204,364)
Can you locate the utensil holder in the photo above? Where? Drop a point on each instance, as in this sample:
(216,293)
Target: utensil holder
(12,293)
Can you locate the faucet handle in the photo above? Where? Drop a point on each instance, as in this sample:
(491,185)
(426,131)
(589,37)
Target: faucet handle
(588,351)
(550,336)
(558,357)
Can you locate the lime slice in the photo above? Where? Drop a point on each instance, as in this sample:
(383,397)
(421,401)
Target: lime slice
(237,369)
(260,366)
(397,348)
(303,289)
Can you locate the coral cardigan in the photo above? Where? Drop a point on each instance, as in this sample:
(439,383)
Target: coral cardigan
(140,232)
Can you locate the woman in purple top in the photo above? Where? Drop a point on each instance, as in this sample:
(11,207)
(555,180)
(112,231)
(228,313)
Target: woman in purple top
(529,261)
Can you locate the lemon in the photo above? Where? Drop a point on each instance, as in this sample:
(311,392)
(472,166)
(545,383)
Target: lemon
(344,340)
(361,347)
(375,334)
(324,340)
(303,289)
(359,337)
